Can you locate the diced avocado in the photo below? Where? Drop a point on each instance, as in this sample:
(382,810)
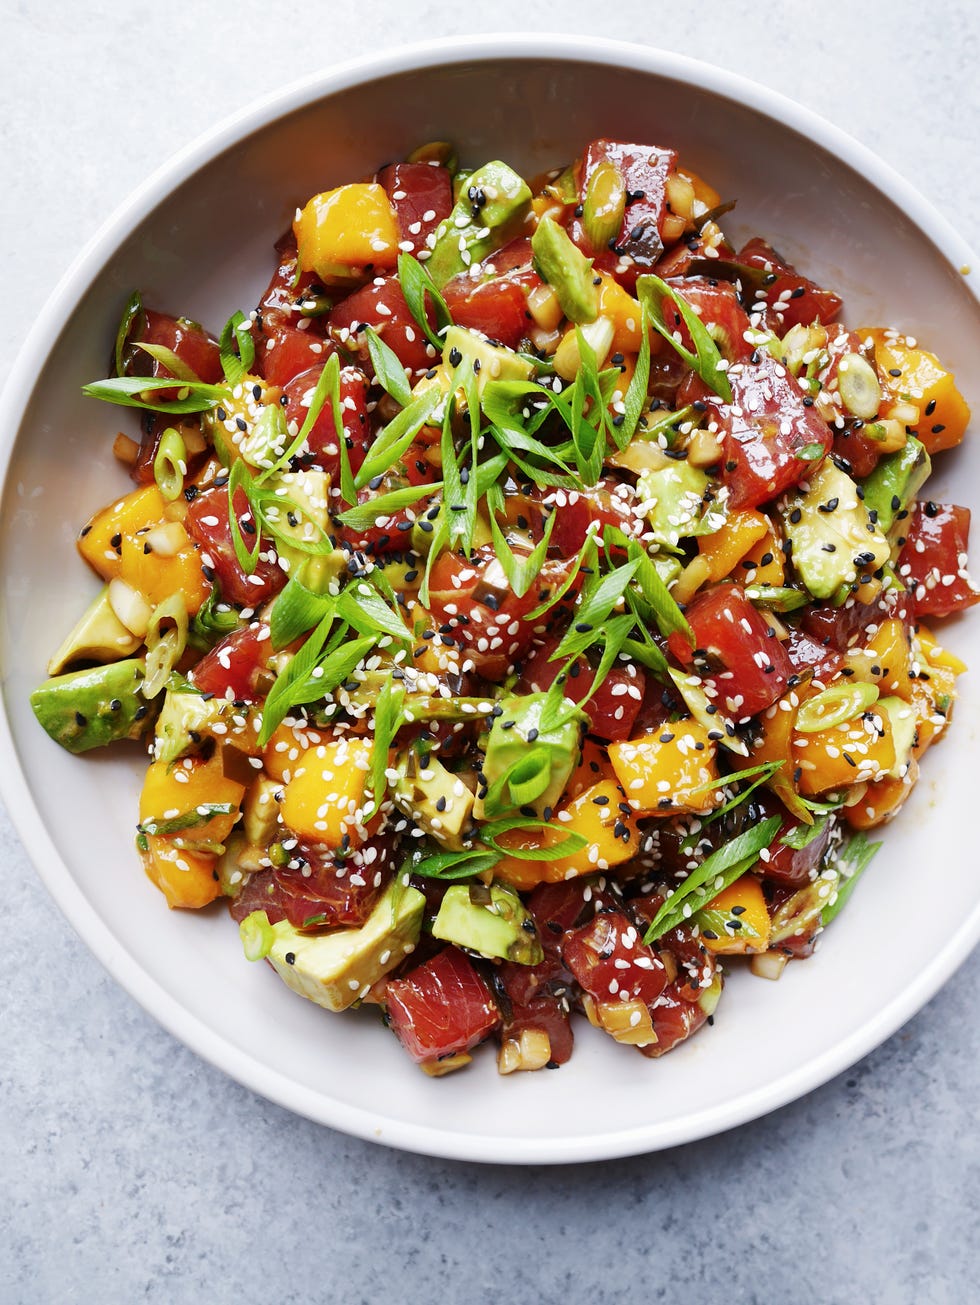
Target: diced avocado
(337,969)
(901,717)
(89,708)
(260,811)
(492,922)
(187,717)
(673,499)
(267,437)
(307,491)
(526,765)
(491,362)
(895,481)
(490,208)
(244,402)
(429,794)
(667,567)
(566,269)
(461,179)
(99,636)
(833,536)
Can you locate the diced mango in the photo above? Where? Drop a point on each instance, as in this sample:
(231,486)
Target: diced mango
(114,543)
(669,771)
(611,838)
(857,750)
(518,872)
(287,747)
(763,563)
(353,226)
(913,375)
(100,542)
(619,306)
(884,661)
(593,766)
(939,658)
(707,195)
(881,800)
(726,547)
(774,742)
(743,902)
(324,800)
(157,576)
(187,879)
(179,789)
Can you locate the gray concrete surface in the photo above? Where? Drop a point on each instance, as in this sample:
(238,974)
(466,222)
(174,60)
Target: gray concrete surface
(129,1169)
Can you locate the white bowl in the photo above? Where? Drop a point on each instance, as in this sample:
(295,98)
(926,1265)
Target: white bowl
(197,238)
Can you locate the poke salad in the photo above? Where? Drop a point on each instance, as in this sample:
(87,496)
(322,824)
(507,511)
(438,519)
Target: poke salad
(527,607)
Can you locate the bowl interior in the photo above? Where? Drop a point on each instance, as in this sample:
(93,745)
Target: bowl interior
(205,250)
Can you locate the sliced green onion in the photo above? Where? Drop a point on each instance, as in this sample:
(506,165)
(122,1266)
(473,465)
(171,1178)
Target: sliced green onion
(604,205)
(200,815)
(257,936)
(132,311)
(835,706)
(170,465)
(296,609)
(167,358)
(212,622)
(164,647)
(858,385)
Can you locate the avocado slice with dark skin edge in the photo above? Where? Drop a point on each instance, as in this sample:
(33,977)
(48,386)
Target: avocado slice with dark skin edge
(89,708)
(895,481)
(495,200)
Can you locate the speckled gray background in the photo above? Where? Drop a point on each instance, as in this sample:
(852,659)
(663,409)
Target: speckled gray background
(130,1170)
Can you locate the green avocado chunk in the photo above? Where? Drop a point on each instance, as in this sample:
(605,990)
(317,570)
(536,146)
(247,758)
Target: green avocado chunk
(895,481)
(89,708)
(673,499)
(493,204)
(336,969)
(566,269)
(438,801)
(187,717)
(834,537)
(491,362)
(99,636)
(526,765)
(498,927)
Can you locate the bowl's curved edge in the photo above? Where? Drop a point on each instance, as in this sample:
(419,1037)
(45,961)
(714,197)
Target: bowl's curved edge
(122,965)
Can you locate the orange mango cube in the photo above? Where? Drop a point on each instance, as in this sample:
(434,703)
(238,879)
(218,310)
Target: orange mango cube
(176,790)
(742,901)
(350,227)
(913,375)
(667,772)
(324,800)
(187,879)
